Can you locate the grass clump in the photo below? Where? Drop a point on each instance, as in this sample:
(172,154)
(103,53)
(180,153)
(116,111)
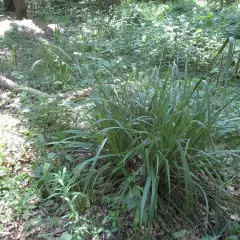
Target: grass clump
(157,137)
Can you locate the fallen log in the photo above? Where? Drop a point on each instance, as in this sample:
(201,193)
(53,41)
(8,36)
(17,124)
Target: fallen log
(75,95)
(9,84)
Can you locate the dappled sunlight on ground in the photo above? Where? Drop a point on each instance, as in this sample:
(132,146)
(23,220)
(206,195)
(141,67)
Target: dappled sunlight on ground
(6,25)
(22,44)
(12,150)
(17,155)
(202,3)
(55,27)
(11,137)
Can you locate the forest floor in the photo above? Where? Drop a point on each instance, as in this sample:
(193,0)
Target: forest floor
(23,214)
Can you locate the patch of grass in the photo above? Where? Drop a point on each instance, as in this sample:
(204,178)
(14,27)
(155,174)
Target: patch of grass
(157,151)
(47,115)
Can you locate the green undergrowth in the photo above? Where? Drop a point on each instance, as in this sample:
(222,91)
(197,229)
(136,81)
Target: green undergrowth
(136,36)
(158,154)
(154,152)
(150,131)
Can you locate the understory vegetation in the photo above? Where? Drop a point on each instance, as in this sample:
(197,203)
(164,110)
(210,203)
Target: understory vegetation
(150,150)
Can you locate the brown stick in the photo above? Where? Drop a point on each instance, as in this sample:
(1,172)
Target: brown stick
(9,84)
(77,95)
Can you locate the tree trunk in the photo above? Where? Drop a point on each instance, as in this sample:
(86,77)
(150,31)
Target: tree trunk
(17,6)
(9,5)
(21,10)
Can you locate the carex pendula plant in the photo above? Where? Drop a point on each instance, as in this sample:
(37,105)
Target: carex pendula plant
(157,136)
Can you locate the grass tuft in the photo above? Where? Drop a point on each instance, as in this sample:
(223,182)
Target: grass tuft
(157,136)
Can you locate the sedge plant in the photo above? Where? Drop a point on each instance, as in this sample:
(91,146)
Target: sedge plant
(157,136)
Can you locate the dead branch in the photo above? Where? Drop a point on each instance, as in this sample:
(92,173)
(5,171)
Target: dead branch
(9,84)
(77,95)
